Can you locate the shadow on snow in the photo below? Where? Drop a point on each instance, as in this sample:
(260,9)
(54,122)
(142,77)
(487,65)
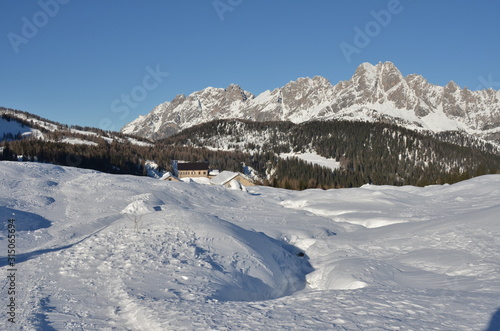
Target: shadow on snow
(494,322)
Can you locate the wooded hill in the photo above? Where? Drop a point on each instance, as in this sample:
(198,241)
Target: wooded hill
(377,153)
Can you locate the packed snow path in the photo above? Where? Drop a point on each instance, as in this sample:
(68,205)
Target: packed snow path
(102,252)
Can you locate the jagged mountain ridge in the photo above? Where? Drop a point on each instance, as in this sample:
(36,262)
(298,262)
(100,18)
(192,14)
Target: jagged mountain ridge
(374,93)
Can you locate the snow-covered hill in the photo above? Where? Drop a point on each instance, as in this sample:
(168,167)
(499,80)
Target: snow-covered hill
(14,129)
(15,124)
(97,251)
(377,92)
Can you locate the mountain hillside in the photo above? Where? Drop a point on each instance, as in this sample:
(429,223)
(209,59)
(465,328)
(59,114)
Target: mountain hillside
(374,93)
(28,137)
(363,152)
(16,124)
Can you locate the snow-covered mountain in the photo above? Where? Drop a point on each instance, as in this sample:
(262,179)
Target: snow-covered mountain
(377,92)
(95,251)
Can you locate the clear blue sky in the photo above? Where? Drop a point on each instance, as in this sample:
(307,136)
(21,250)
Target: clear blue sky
(73,62)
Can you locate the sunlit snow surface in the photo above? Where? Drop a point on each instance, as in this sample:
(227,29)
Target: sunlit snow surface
(314,158)
(104,252)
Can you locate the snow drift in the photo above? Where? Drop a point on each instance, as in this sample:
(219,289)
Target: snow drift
(100,251)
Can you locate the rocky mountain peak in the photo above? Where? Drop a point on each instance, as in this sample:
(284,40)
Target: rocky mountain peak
(179,98)
(306,83)
(374,92)
(365,68)
(387,66)
(364,76)
(389,76)
(320,80)
(235,92)
(384,75)
(452,86)
(416,81)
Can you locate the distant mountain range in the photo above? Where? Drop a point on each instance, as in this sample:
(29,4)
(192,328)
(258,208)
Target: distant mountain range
(374,93)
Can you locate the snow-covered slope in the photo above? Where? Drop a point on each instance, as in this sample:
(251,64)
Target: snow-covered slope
(98,251)
(10,129)
(15,124)
(314,158)
(377,92)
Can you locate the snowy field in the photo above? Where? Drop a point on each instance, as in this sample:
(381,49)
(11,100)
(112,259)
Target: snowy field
(105,252)
(313,158)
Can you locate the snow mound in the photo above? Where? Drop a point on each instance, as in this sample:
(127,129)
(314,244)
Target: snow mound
(189,256)
(138,207)
(237,264)
(373,206)
(25,221)
(336,276)
(235,185)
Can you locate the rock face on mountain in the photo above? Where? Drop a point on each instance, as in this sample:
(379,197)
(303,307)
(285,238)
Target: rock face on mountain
(377,92)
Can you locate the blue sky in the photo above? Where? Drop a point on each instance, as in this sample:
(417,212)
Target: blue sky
(103,63)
